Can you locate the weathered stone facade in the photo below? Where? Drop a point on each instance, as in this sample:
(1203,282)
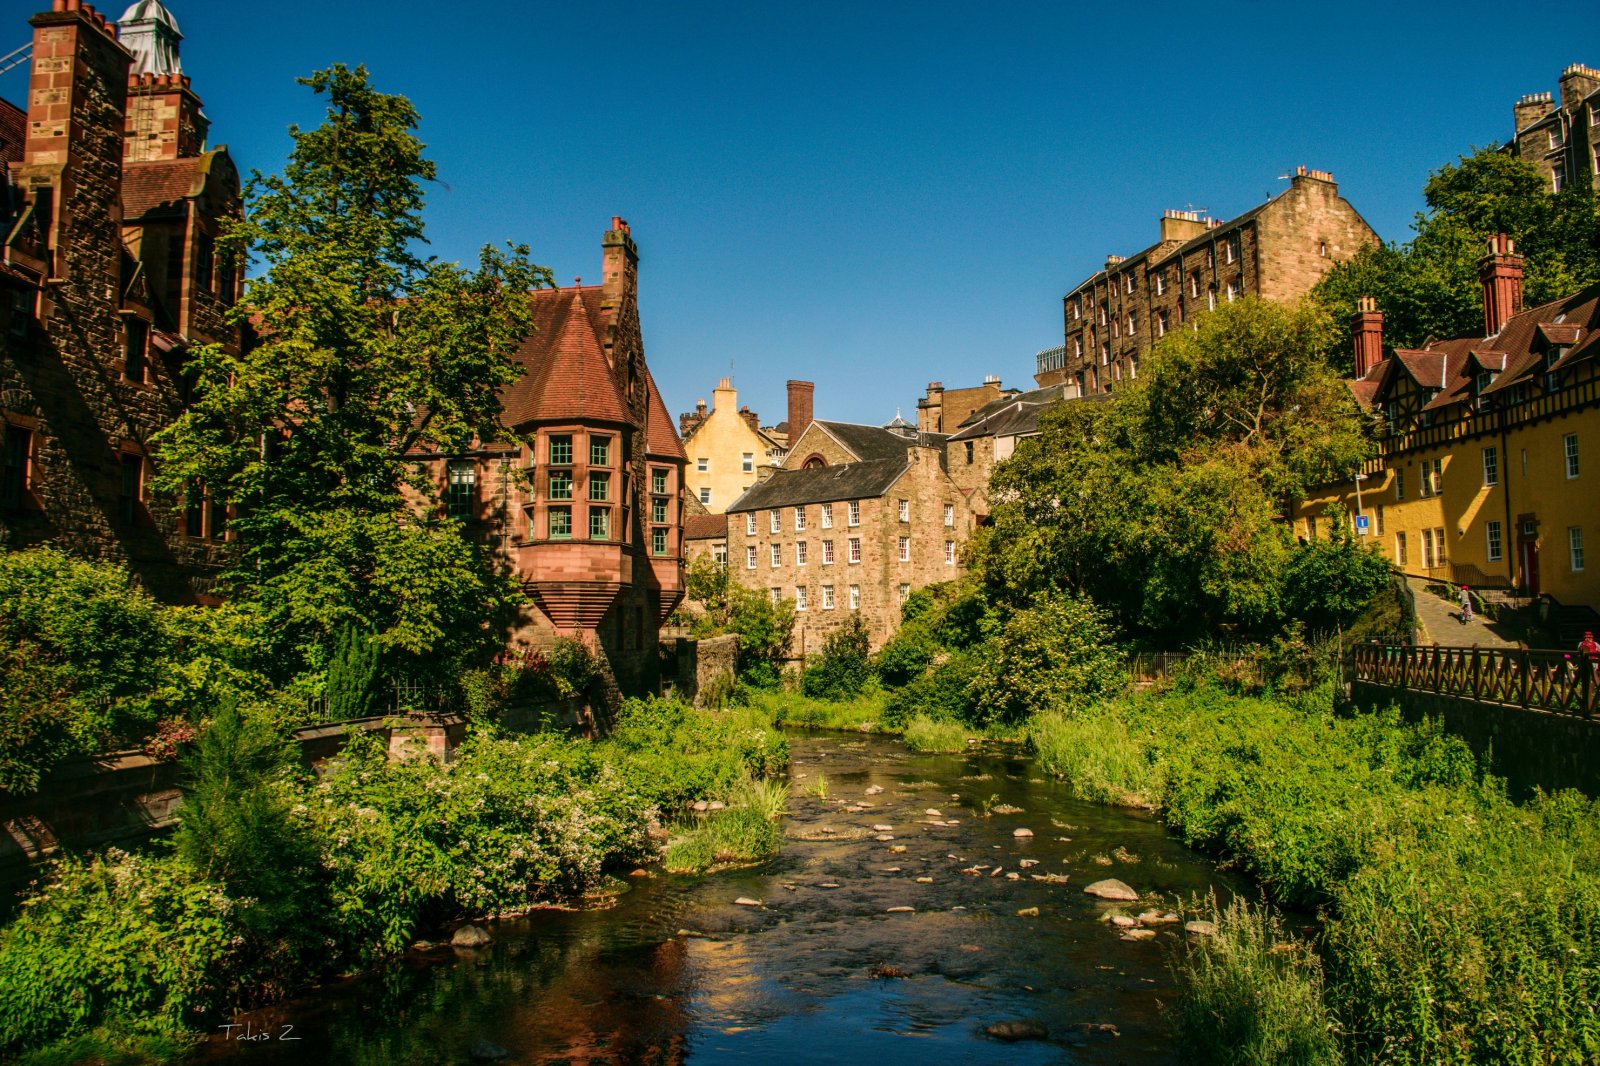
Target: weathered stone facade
(1277,251)
(727,448)
(108,277)
(1561,139)
(859,517)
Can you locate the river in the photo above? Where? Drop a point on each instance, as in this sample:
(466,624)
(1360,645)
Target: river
(822,970)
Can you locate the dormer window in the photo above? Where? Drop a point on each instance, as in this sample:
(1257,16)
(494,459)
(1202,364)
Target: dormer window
(1552,380)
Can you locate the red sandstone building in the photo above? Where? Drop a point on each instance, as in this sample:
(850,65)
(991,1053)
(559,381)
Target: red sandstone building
(110,204)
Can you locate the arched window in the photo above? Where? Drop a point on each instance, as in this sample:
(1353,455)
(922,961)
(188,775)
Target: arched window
(814,462)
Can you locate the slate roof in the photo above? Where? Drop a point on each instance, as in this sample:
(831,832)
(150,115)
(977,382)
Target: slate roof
(1010,416)
(157,183)
(877,442)
(851,481)
(705,527)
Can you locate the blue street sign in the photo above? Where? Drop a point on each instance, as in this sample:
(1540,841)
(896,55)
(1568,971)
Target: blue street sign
(1361,524)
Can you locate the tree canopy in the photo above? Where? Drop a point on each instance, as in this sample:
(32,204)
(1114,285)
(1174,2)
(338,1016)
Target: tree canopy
(362,356)
(1165,503)
(1428,287)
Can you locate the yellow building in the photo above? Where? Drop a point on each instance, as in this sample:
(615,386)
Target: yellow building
(728,450)
(1489,468)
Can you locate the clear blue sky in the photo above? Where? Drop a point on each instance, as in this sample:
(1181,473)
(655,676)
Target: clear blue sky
(876,195)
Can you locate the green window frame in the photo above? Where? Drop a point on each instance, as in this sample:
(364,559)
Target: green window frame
(561,450)
(599,523)
(558,523)
(599,487)
(658,542)
(560,484)
(599,451)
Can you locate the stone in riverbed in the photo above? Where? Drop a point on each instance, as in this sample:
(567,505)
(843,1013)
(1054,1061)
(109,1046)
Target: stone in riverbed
(898,849)
(1200,928)
(933,812)
(1122,921)
(828,884)
(1111,889)
(1022,834)
(716,805)
(1139,934)
(883,828)
(901,910)
(924,880)
(471,936)
(484,1051)
(1028,912)
(746,901)
(884,838)
(875,790)
(1011,1032)
(1025,863)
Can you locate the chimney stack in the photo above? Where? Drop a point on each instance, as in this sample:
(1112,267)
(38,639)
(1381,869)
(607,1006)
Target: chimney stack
(1501,274)
(1367,331)
(800,394)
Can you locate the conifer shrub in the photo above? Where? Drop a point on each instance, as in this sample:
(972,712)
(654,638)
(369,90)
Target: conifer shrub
(354,676)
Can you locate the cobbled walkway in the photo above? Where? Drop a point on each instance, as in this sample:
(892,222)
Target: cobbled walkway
(1440,623)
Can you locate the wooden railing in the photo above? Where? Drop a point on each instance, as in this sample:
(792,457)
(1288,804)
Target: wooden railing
(1556,681)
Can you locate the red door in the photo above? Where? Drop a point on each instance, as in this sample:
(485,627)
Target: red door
(1530,566)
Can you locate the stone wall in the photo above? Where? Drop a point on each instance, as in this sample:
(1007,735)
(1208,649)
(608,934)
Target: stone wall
(128,797)
(1530,749)
(704,667)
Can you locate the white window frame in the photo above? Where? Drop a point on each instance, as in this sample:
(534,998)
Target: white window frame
(799,519)
(702,465)
(949,516)
(854,550)
(1569,450)
(855,597)
(827,597)
(905,593)
(827,553)
(799,597)
(747,462)
(776,553)
(905,549)
(827,516)
(705,494)
(800,553)
(855,513)
(750,524)
(949,553)
(1491,467)
(1494,542)
(775,520)
(1575,558)
(905,510)
(750,557)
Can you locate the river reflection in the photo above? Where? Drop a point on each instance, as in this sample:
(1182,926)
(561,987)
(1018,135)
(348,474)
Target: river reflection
(677,972)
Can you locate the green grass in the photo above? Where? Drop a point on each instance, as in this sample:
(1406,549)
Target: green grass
(142,1042)
(1253,996)
(864,714)
(1458,927)
(747,831)
(935,735)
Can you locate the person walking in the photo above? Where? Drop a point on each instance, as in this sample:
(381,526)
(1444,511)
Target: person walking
(1466,605)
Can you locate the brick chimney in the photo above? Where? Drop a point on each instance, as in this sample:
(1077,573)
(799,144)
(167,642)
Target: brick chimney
(1366,329)
(620,257)
(1530,108)
(800,393)
(750,419)
(164,116)
(1501,274)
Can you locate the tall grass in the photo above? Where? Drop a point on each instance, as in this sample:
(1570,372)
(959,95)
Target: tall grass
(863,713)
(935,734)
(1459,927)
(1254,996)
(747,831)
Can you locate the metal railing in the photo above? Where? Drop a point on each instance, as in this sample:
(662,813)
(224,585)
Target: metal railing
(1556,681)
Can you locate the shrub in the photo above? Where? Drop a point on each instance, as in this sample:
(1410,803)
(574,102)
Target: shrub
(114,936)
(672,754)
(1253,996)
(843,669)
(904,659)
(862,714)
(1059,652)
(935,735)
(1329,582)
(353,676)
(745,832)
(943,692)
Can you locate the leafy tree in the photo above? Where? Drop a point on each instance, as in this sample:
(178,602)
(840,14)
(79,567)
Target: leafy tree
(1328,582)
(765,629)
(1164,504)
(1060,653)
(1428,287)
(364,356)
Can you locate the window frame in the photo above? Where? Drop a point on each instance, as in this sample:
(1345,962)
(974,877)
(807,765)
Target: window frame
(550,515)
(1491,467)
(853,550)
(1569,456)
(551,453)
(1575,559)
(1494,541)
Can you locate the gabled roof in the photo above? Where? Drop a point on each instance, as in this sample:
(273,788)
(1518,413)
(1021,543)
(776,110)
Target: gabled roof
(158,183)
(13,132)
(660,436)
(1011,416)
(850,481)
(566,377)
(705,527)
(878,442)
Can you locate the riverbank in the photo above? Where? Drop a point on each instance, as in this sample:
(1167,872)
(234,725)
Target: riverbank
(1458,927)
(280,878)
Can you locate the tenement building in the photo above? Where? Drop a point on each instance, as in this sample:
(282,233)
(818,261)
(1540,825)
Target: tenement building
(858,517)
(1276,251)
(727,446)
(1488,445)
(589,514)
(110,206)
(1561,138)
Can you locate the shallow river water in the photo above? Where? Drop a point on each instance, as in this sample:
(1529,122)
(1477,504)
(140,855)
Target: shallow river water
(678,972)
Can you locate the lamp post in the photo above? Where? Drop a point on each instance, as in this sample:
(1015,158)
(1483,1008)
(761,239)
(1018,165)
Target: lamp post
(1360,510)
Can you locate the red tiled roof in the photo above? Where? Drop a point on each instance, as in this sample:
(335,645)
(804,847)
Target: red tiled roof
(158,183)
(13,132)
(660,436)
(705,527)
(566,376)
(1562,333)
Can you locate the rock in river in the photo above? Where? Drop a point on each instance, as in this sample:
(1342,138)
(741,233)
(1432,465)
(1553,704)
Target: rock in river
(1111,889)
(1022,834)
(471,936)
(1200,928)
(1019,1030)
(746,901)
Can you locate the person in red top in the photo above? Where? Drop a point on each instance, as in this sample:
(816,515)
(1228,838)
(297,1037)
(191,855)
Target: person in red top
(1588,647)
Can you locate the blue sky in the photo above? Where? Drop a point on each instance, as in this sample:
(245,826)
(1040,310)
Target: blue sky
(869,195)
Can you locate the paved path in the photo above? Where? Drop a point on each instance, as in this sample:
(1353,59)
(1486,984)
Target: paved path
(1440,623)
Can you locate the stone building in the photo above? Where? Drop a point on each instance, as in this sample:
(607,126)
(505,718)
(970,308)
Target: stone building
(941,410)
(1561,139)
(727,447)
(989,436)
(1488,445)
(858,517)
(110,205)
(589,516)
(1276,251)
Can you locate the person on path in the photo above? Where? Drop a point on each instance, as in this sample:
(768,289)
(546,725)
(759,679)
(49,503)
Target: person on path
(1588,647)
(1466,605)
